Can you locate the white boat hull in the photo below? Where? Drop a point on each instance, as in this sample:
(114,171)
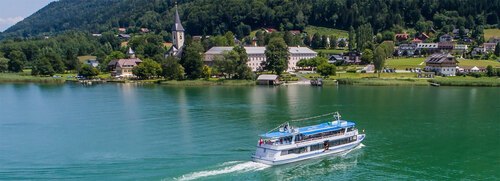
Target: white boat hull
(314,154)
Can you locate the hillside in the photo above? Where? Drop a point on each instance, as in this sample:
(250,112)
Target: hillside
(206,17)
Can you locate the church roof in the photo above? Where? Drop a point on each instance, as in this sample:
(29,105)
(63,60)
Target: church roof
(177,24)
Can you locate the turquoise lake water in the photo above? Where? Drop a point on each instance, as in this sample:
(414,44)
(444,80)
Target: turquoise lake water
(152,132)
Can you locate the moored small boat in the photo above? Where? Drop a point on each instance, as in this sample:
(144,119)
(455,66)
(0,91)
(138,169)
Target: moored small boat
(288,144)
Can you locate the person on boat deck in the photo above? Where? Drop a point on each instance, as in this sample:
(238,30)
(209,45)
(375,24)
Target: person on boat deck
(260,141)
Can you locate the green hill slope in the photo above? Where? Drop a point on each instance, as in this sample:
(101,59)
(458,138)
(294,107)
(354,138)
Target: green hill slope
(217,17)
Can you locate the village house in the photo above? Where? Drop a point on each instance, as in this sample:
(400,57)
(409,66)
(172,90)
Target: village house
(145,30)
(123,67)
(494,40)
(402,36)
(427,47)
(489,47)
(456,32)
(416,41)
(468,69)
(256,55)
(406,49)
(460,48)
(295,32)
(446,38)
(352,57)
(124,36)
(89,60)
(446,46)
(268,80)
(423,36)
(334,59)
(442,63)
(477,51)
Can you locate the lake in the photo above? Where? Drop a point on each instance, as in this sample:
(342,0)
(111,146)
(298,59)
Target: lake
(153,132)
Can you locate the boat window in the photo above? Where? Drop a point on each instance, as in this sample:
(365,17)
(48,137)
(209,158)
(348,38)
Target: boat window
(297,150)
(317,147)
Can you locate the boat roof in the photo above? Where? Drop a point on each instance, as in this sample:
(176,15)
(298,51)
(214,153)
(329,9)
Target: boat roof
(314,129)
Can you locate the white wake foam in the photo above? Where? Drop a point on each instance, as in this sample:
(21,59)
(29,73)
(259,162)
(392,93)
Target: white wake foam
(240,167)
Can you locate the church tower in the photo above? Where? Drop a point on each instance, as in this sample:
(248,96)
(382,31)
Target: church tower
(177,32)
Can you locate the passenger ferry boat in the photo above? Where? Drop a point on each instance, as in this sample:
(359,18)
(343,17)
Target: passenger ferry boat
(287,144)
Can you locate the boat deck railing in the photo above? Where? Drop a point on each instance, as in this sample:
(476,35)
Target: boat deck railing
(275,143)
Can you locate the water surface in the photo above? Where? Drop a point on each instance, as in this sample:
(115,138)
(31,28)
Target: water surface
(131,132)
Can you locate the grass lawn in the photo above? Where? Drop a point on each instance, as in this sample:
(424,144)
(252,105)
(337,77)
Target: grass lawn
(331,51)
(478,63)
(488,33)
(84,58)
(403,63)
(311,30)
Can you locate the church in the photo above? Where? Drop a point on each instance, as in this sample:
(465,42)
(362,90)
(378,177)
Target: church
(177,37)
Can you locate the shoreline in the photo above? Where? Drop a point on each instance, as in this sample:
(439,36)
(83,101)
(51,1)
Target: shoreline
(443,81)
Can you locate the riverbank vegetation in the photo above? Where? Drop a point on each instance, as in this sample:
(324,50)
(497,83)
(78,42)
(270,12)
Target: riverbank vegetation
(24,78)
(467,81)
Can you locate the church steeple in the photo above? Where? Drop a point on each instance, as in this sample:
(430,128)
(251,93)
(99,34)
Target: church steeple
(177,31)
(177,24)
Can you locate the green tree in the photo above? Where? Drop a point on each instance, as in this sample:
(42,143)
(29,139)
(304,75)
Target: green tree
(326,69)
(379,59)
(312,62)
(364,36)
(54,59)
(324,42)
(316,41)
(367,56)
(490,71)
(288,37)
(206,72)
(333,42)
(277,56)
(192,60)
(307,41)
(43,67)
(88,71)
(4,64)
(497,50)
(242,70)
(71,60)
(17,59)
(342,43)
(147,69)
(352,39)
(229,38)
(172,70)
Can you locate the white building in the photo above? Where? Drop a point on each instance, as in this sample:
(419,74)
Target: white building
(256,55)
(432,46)
(441,63)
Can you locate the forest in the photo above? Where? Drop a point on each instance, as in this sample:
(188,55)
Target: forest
(56,35)
(205,17)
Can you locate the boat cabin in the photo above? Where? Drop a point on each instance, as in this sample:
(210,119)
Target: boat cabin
(287,135)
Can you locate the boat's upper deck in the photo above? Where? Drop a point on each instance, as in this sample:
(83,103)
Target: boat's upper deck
(311,130)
